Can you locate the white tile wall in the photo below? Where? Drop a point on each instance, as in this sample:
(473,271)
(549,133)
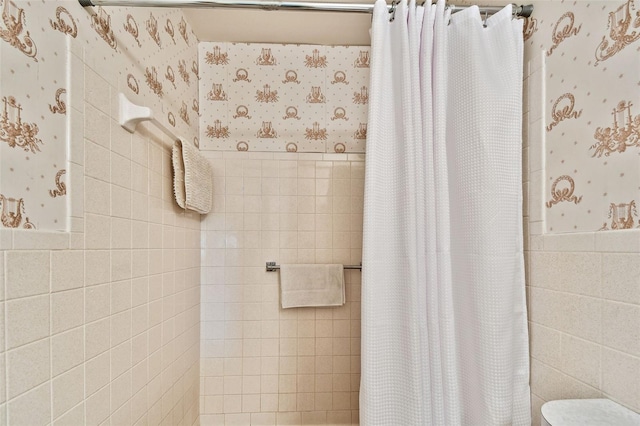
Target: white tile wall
(260,363)
(101,325)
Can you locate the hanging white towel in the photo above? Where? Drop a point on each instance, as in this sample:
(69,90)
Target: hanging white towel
(192,178)
(311,285)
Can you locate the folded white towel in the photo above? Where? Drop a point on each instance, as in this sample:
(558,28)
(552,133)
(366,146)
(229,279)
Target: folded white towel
(311,285)
(192,178)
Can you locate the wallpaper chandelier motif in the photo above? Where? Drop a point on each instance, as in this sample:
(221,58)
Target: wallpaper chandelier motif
(39,43)
(592,137)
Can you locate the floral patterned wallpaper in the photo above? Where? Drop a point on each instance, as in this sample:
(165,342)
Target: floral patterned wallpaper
(591,125)
(288,98)
(33,125)
(154,52)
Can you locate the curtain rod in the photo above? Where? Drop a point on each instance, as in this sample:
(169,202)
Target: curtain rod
(519,10)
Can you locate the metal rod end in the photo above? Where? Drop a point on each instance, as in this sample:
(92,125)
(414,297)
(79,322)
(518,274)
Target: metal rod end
(526,10)
(86,3)
(271,267)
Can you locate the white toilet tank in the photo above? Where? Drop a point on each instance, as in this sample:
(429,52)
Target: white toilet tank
(587,412)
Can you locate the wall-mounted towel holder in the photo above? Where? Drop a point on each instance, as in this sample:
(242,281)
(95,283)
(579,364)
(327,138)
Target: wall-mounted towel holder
(272,267)
(132,114)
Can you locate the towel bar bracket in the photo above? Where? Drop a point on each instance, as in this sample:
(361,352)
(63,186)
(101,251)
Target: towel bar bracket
(272,266)
(131,114)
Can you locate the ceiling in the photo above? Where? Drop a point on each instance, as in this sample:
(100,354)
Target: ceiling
(286,26)
(283,26)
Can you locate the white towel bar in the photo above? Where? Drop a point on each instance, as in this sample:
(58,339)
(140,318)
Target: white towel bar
(132,114)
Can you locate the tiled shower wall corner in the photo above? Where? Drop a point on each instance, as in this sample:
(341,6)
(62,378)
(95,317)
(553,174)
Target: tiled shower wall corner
(101,325)
(583,288)
(261,364)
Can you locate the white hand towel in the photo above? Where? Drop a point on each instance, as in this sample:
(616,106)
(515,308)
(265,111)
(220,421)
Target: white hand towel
(192,178)
(311,285)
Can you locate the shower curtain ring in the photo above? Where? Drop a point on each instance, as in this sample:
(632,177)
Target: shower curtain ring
(392,11)
(515,10)
(484,23)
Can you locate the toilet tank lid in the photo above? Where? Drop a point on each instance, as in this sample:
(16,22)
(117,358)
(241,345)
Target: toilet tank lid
(582,412)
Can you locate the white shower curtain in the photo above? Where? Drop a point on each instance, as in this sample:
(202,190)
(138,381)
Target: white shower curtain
(444,328)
